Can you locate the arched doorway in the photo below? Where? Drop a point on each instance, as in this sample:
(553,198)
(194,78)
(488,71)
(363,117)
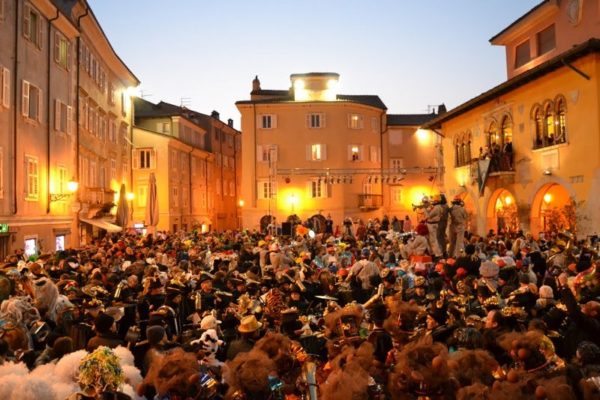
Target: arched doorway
(502,213)
(265,221)
(552,210)
(317,223)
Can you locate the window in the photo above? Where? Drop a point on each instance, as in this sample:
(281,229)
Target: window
(124,103)
(546,40)
(538,119)
(396,195)
(355,152)
(101,126)
(229,140)
(143,159)
(63,115)
(112,130)
(507,132)
(267,121)
(316,152)
(31,101)
(231,188)
(165,127)
(493,136)
(32,26)
(355,121)
(5,87)
(267,190)
(218,186)
(561,121)
(175,197)
(174,159)
(397,164)
(367,188)
(30,246)
(522,54)
(315,120)
(62,50)
(549,125)
(62,179)
(113,169)
(31,178)
(60,243)
(318,188)
(374,124)
(111,94)
(142,192)
(374,154)
(266,153)
(396,137)
(93,179)
(2,10)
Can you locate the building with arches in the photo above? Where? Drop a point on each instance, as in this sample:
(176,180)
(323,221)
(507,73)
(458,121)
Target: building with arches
(524,154)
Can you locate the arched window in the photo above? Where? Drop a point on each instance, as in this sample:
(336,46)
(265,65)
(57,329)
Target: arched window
(539,127)
(493,137)
(561,123)
(468,156)
(507,132)
(456,153)
(549,134)
(461,155)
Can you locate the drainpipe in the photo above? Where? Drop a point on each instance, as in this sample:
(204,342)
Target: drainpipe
(15,111)
(77,107)
(190,180)
(48,106)
(381,132)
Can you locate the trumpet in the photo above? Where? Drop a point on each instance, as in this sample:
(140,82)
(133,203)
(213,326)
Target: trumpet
(378,295)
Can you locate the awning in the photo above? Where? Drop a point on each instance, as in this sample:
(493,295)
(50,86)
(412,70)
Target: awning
(102,224)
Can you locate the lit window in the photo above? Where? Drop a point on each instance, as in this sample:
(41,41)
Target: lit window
(60,243)
(62,49)
(317,152)
(549,126)
(561,131)
(318,189)
(354,153)
(355,121)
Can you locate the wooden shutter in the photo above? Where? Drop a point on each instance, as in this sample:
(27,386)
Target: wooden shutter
(69,120)
(26,22)
(273,121)
(68,54)
(349,152)
(39,110)
(273,152)
(57,47)
(6,87)
(323,121)
(361,153)
(57,116)
(39,31)
(153,159)
(136,159)
(323,152)
(25,99)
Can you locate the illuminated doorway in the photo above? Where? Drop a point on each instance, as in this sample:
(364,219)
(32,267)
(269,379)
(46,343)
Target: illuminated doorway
(502,212)
(552,210)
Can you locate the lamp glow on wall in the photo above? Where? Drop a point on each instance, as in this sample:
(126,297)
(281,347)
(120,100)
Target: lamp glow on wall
(293,200)
(547,198)
(72,187)
(241,203)
(422,136)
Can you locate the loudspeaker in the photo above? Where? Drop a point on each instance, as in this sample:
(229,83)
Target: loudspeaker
(286,228)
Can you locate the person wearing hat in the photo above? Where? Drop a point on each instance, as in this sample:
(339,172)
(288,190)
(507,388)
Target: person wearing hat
(433,215)
(249,330)
(208,299)
(458,225)
(360,276)
(379,337)
(104,326)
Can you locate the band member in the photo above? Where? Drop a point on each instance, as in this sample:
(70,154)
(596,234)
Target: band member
(433,215)
(458,224)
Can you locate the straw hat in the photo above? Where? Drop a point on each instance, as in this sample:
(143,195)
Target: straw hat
(249,324)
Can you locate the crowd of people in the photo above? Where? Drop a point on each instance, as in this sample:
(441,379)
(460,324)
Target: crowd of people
(434,313)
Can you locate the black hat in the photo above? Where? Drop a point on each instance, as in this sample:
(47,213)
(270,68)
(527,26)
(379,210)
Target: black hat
(205,277)
(155,334)
(103,323)
(439,315)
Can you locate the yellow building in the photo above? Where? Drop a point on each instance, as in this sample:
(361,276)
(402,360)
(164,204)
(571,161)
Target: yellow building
(524,154)
(310,152)
(43,81)
(195,158)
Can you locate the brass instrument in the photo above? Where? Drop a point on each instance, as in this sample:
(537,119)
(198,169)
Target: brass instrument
(119,289)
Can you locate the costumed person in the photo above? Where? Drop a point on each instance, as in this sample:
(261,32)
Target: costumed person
(433,214)
(458,225)
(419,245)
(100,376)
(443,224)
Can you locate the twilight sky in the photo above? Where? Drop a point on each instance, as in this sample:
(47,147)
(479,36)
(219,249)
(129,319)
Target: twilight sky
(410,53)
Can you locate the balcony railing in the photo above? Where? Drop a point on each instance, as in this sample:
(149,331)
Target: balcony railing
(370,201)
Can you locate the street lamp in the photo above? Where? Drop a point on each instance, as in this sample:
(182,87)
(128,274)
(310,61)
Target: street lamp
(72,187)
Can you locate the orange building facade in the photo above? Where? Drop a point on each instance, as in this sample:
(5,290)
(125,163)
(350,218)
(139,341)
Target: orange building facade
(524,154)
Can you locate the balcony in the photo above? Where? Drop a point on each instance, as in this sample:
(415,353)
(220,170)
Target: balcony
(370,201)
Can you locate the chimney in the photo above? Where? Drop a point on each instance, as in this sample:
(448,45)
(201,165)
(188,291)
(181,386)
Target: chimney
(441,109)
(230,123)
(255,84)
(215,114)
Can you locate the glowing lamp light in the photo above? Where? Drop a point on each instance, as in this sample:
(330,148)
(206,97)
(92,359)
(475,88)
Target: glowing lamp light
(547,198)
(292,199)
(299,84)
(241,203)
(129,196)
(422,136)
(72,185)
(508,201)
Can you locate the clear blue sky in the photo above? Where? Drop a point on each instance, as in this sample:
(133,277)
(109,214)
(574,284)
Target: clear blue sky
(410,53)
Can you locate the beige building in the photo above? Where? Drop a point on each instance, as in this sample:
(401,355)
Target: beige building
(195,162)
(524,154)
(41,43)
(310,151)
